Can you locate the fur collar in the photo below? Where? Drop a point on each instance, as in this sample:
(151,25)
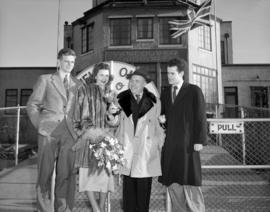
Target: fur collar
(147,102)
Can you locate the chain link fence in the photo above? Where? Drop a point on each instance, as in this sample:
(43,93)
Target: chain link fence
(236,173)
(236,167)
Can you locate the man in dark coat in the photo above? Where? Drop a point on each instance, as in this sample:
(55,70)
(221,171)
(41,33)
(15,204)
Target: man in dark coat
(184,116)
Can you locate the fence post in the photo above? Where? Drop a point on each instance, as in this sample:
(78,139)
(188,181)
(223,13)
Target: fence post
(109,202)
(168,201)
(218,136)
(17,135)
(243,137)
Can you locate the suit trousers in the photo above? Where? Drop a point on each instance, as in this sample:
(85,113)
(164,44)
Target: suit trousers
(136,194)
(186,198)
(56,149)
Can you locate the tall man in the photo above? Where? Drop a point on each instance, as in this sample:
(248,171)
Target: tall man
(50,108)
(184,116)
(142,137)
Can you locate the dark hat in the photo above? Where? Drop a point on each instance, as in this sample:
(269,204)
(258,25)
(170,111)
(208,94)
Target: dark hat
(142,73)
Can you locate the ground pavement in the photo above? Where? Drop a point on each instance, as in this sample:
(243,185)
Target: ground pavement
(224,190)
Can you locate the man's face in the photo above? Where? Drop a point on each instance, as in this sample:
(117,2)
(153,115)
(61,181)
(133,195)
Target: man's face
(66,63)
(136,84)
(174,77)
(102,77)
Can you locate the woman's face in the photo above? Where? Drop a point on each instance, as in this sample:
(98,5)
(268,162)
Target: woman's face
(102,77)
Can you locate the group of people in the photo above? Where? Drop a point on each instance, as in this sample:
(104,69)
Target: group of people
(161,137)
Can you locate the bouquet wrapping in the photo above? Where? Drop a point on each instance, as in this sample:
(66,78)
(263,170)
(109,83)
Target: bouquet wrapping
(105,149)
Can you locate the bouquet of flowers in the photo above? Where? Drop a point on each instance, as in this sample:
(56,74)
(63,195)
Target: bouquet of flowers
(106,150)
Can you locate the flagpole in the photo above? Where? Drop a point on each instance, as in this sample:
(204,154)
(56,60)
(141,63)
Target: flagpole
(216,42)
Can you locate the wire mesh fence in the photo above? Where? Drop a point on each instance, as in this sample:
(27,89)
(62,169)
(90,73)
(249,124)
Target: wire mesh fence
(236,167)
(236,173)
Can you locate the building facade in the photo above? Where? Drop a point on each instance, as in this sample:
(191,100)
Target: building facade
(16,85)
(138,33)
(247,84)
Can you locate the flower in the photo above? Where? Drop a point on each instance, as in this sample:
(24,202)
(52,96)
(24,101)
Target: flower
(107,151)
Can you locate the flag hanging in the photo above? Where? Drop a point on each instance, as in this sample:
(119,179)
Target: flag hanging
(196,17)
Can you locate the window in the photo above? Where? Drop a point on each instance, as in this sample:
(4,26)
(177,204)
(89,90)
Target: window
(25,94)
(11,100)
(205,37)
(165,37)
(120,31)
(206,79)
(259,97)
(145,28)
(87,33)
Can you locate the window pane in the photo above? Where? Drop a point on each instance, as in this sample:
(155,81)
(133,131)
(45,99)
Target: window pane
(87,38)
(120,32)
(90,37)
(203,77)
(11,100)
(84,40)
(145,28)
(205,37)
(165,32)
(25,94)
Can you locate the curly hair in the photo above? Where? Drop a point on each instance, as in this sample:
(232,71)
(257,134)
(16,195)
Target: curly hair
(96,69)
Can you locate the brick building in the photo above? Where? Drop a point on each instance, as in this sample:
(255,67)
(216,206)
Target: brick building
(138,33)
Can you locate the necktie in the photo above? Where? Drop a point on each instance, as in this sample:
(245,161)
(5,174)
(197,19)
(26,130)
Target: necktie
(66,84)
(138,98)
(174,93)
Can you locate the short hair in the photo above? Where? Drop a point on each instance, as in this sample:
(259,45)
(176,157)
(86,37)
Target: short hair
(180,63)
(97,67)
(65,52)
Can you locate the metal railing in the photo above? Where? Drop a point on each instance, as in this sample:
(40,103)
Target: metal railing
(18,115)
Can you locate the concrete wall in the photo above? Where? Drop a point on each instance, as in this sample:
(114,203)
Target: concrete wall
(243,76)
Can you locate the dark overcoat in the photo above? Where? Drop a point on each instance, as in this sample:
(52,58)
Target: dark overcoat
(185,126)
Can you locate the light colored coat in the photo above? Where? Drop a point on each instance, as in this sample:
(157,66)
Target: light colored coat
(48,105)
(142,148)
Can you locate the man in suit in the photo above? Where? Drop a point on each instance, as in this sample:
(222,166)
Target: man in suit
(184,116)
(50,108)
(142,137)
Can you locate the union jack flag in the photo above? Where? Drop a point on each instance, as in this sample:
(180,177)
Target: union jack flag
(196,17)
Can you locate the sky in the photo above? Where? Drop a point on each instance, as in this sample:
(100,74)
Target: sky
(29,29)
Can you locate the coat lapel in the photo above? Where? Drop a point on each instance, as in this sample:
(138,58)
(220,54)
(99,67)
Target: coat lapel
(56,81)
(182,92)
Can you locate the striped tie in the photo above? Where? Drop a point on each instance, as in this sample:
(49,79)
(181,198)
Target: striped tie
(66,84)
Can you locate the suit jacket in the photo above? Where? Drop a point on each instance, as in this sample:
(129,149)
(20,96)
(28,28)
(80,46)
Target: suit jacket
(48,105)
(186,126)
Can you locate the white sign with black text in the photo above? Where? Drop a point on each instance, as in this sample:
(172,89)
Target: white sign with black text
(230,127)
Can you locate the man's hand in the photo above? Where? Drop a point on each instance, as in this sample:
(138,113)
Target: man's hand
(198,147)
(162,119)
